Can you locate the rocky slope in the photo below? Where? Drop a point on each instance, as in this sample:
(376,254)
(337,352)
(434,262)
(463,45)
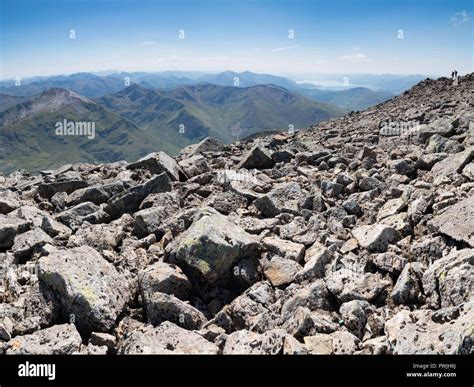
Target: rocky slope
(352,237)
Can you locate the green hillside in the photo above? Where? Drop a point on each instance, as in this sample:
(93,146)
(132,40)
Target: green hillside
(28,137)
(224,112)
(356,98)
(136,121)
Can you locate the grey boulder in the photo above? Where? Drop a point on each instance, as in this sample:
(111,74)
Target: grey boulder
(165,278)
(448,281)
(57,340)
(457,221)
(167,338)
(10,227)
(86,287)
(158,163)
(212,245)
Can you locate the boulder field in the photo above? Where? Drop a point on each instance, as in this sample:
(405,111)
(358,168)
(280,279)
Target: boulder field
(354,236)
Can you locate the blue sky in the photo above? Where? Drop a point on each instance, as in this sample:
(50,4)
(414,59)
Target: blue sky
(330,36)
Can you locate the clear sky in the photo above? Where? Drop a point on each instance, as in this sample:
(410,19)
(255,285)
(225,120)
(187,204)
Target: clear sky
(329,36)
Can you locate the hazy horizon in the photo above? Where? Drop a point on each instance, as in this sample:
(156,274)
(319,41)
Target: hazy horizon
(298,77)
(274,37)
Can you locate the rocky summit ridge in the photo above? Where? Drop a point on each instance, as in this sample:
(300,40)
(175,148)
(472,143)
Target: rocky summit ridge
(355,236)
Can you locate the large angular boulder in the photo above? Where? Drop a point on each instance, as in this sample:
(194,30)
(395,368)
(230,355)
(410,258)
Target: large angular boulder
(158,163)
(400,223)
(47,190)
(8,201)
(194,166)
(95,194)
(442,127)
(256,158)
(448,281)
(402,167)
(424,332)
(346,286)
(319,344)
(226,202)
(101,236)
(55,229)
(457,221)
(437,144)
(162,307)
(409,288)
(129,200)
(167,338)
(426,161)
(209,144)
(57,340)
(331,189)
(468,171)
(312,296)
(30,213)
(73,217)
(453,164)
(389,262)
(354,317)
(281,271)
(284,197)
(212,245)
(10,227)
(337,343)
(369,183)
(392,207)
(375,237)
(153,220)
(304,322)
(26,243)
(284,248)
(165,278)
(246,342)
(316,257)
(86,286)
(250,310)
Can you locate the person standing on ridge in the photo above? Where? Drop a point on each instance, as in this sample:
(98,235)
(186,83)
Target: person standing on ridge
(455,78)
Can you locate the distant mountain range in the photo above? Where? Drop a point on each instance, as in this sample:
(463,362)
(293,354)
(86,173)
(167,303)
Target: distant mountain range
(247,79)
(86,84)
(96,86)
(7,101)
(356,98)
(393,83)
(91,85)
(137,113)
(138,120)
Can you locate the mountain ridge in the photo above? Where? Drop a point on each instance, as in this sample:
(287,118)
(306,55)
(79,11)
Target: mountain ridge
(94,86)
(28,138)
(213,110)
(145,119)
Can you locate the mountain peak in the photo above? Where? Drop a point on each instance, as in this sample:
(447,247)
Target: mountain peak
(56,92)
(137,89)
